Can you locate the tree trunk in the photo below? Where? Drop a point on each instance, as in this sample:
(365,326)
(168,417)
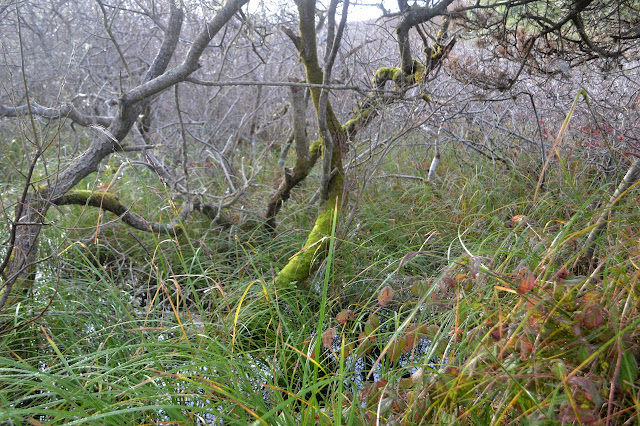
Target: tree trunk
(300,266)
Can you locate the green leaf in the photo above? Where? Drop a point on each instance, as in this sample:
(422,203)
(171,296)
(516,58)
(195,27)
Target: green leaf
(395,349)
(628,369)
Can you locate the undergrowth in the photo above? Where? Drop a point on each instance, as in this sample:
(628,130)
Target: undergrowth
(461,302)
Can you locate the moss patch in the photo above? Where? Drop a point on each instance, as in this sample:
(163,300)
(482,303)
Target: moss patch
(299,268)
(396,75)
(101,199)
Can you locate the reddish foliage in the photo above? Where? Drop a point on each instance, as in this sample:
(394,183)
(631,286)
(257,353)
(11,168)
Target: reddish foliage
(562,274)
(385,296)
(592,316)
(327,337)
(499,331)
(345,315)
(396,348)
(527,283)
(448,281)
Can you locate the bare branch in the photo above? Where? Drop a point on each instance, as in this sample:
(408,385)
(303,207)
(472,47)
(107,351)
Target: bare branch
(107,28)
(157,83)
(630,180)
(413,17)
(109,202)
(272,84)
(55,113)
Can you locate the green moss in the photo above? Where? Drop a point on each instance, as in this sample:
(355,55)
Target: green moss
(384,74)
(396,75)
(419,71)
(316,148)
(105,200)
(437,51)
(299,268)
(361,119)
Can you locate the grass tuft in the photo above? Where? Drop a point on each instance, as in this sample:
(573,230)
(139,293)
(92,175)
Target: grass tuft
(458,303)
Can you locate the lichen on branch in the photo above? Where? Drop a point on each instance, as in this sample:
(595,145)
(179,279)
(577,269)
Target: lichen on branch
(111,203)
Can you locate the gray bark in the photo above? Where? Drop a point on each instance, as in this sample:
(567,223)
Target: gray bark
(58,113)
(131,104)
(412,17)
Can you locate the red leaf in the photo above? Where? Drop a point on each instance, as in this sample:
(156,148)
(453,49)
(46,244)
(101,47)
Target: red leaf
(562,274)
(371,394)
(460,278)
(345,315)
(581,415)
(327,337)
(499,331)
(592,316)
(385,296)
(591,390)
(448,281)
(519,218)
(410,338)
(527,283)
(395,349)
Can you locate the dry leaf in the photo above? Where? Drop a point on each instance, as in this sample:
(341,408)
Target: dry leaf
(327,337)
(385,296)
(527,283)
(519,218)
(592,316)
(345,315)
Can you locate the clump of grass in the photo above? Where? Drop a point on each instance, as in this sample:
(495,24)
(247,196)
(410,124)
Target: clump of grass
(518,336)
(451,304)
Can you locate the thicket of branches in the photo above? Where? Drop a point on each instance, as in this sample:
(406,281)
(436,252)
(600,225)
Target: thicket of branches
(201,94)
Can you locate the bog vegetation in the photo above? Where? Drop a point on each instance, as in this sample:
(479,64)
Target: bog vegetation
(272,214)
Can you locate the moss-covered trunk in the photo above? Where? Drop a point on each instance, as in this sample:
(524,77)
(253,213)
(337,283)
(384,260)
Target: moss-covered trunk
(412,71)
(300,266)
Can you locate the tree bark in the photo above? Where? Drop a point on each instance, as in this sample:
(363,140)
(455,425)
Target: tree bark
(131,105)
(300,266)
(412,17)
(305,159)
(335,135)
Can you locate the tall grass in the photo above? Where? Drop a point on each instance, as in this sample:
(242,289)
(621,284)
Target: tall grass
(450,304)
